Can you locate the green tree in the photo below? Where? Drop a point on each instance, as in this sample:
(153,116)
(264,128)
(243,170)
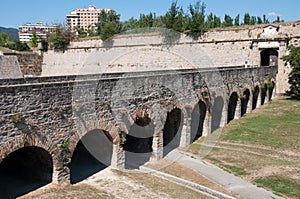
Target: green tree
(61,38)
(294,77)
(265,20)
(108,24)
(247,19)
(217,21)
(259,20)
(174,18)
(237,20)
(253,20)
(34,40)
(227,21)
(196,24)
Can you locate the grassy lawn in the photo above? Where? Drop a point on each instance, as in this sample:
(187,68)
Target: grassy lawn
(263,147)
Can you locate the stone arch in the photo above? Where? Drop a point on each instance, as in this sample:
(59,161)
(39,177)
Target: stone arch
(232,106)
(264,93)
(92,154)
(245,101)
(197,120)
(172,130)
(25,170)
(138,143)
(255,97)
(271,89)
(269,57)
(217,113)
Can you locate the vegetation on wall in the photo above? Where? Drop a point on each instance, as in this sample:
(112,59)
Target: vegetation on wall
(294,77)
(14,44)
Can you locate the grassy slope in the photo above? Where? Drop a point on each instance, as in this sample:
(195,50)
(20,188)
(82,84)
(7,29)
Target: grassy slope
(263,147)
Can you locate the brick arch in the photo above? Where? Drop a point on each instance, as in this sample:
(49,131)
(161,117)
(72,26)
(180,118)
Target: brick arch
(272,90)
(198,115)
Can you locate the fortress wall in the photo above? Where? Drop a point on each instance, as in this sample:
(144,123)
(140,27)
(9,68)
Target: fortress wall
(9,67)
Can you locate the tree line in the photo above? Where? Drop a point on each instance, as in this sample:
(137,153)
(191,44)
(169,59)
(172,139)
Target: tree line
(192,22)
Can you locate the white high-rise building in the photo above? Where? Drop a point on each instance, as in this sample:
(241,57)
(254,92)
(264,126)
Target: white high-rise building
(84,18)
(26,31)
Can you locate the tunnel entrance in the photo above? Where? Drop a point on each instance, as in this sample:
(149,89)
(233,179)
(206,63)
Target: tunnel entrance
(138,144)
(245,101)
(264,90)
(255,97)
(172,131)
(217,111)
(198,117)
(232,106)
(92,154)
(25,170)
(269,57)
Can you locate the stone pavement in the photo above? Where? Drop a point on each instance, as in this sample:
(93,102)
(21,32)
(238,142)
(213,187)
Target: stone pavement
(235,184)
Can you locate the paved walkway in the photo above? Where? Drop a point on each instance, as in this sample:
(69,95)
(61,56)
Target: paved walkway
(227,180)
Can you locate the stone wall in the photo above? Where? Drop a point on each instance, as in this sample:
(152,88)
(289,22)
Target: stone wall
(54,113)
(9,67)
(155,51)
(30,63)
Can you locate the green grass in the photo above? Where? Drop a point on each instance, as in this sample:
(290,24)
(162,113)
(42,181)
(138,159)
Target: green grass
(261,145)
(281,185)
(276,125)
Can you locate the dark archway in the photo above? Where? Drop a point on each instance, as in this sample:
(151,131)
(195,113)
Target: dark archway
(255,97)
(92,154)
(269,57)
(198,117)
(233,100)
(138,145)
(264,90)
(25,170)
(172,130)
(217,111)
(245,101)
(271,87)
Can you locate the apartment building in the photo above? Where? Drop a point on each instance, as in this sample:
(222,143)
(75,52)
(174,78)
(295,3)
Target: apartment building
(26,31)
(84,18)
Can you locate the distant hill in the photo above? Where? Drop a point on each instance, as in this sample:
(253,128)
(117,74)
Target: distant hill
(13,32)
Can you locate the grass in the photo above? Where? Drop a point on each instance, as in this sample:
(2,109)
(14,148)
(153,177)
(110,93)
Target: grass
(280,185)
(262,145)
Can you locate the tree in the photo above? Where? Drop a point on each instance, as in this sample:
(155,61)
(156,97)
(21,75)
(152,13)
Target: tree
(294,77)
(259,20)
(61,38)
(34,40)
(237,20)
(253,20)
(108,24)
(265,20)
(247,19)
(217,21)
(227,21)
(196,24)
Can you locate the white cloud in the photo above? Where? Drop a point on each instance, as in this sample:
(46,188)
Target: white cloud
(274,14)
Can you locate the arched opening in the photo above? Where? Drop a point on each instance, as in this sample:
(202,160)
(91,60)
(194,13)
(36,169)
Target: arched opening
(269,57)
(198,117)
(264,90)
(92,154)
(271,87)
(138,145)
(232,106)
(172,131)
(25,170)
(217,111)
(255,97)
(245,101)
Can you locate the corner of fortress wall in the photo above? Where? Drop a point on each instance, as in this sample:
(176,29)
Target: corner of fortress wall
(9,67)
(150,51)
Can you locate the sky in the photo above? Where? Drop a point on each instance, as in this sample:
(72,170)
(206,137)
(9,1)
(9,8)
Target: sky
(14,13)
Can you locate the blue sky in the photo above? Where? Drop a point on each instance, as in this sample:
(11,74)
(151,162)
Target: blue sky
(18,12)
